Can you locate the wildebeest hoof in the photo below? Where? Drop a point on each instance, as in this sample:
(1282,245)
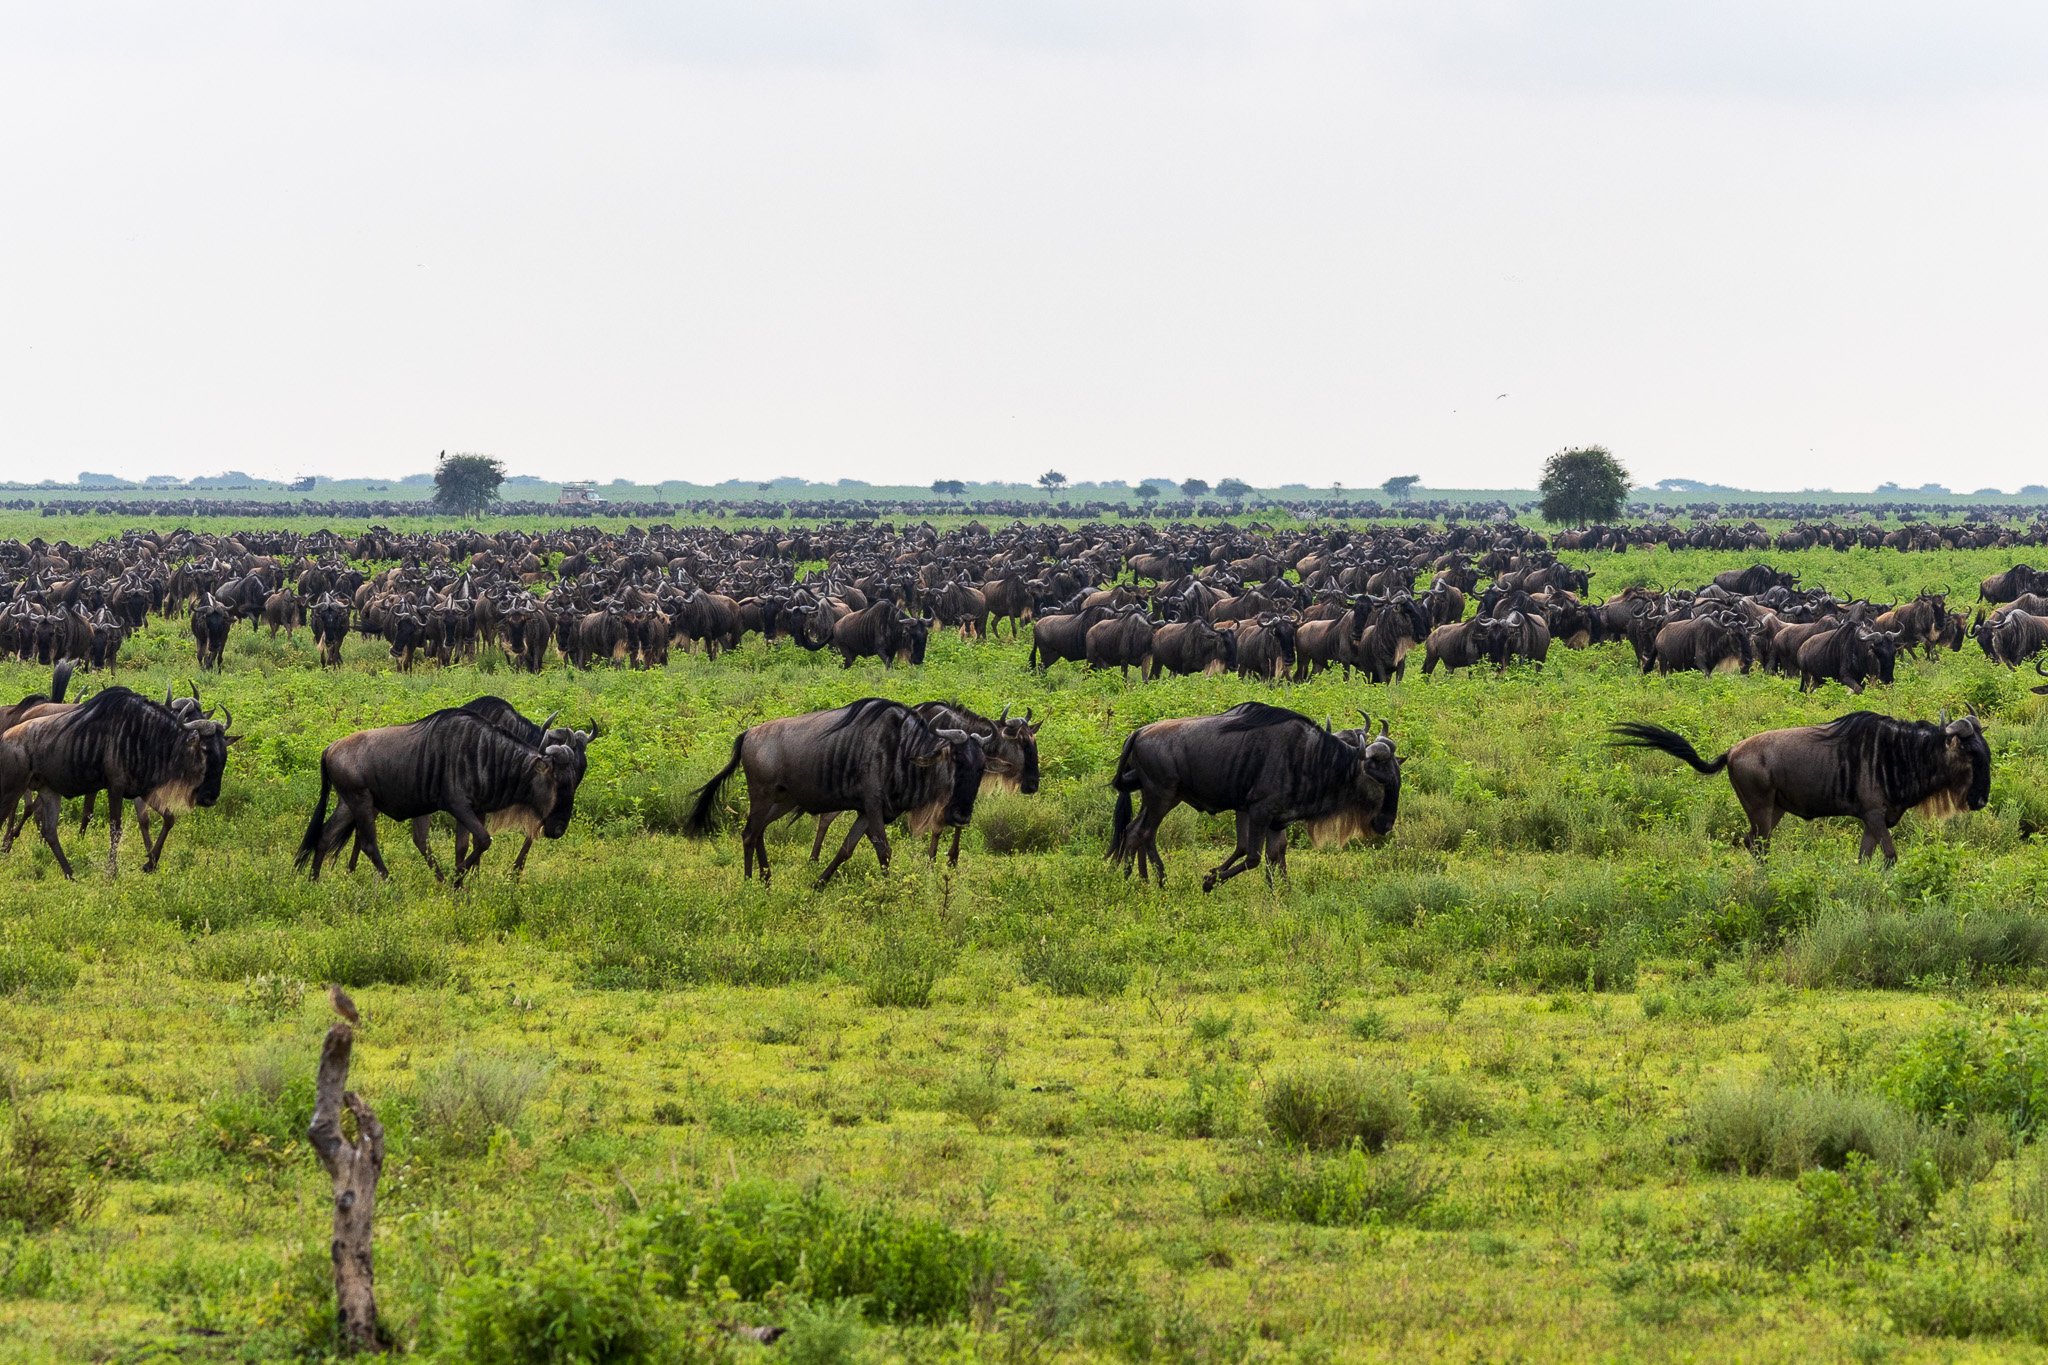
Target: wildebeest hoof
(1209,881)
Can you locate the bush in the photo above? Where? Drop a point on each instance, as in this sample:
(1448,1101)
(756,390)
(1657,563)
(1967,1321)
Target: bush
(1014,823)
(1335,1107)
(1075,968)
(1945,1295)
(575,1308)
(473,1095)
(1340,1191)
(1782,1130)
(35,968)
(762,1234)
(262,1115)
(1446,1103)
(668,957)
(901,970)
(1894,949)
(1965,1069)
(1834,1214)
(371,952)
(41,1185)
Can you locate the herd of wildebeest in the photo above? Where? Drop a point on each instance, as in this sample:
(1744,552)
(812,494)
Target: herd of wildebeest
(1266,604)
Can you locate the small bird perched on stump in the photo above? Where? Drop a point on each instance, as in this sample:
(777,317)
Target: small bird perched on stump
(343,1006)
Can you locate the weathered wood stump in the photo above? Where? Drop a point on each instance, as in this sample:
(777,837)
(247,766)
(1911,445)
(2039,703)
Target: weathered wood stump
(354,1168)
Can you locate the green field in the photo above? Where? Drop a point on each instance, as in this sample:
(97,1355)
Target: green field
(1555,1073)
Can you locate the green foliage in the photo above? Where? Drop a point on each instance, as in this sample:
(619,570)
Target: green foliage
(1330,1107)
(42,1182)
(1833,1215)
(760,1235)
(1074,967)
(1332,1191)
(1400,486)
(1233,490)
(1892,949)
(1583,484)
(465,1100)
(574,1307)
(466,485)
(1770,1128)
(1965,1069)
(28,967)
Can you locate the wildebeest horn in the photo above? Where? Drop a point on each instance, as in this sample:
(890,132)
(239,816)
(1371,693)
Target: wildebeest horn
(1366,717)
(227,720)
(593,728)
(167,694)
(544,725)
(1944,717)
(1006,714)
(1027,715)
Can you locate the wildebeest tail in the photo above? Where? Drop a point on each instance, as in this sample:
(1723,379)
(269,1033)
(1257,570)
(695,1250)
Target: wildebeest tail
(1637,734)
(312,839)
(703,815)
(2043,671)
(60,679)
(1125,782)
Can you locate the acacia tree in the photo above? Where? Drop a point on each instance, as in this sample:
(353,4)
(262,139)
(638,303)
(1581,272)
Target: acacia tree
(1148,493)
(1237,490)
(1399,487)
(948,488)
(1583,484)
(467,484)
(1193,488)
(1052,481)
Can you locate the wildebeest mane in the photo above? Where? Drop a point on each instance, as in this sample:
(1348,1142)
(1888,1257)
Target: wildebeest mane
(855,712)
(1903,756)
(1258,715)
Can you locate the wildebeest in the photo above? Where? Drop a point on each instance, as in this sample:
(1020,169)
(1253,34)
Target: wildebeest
(1461,644)
(1273,767)
(537,735)
(1265,647)
(210,625)
(1122,642)
(2015,582)
(449,761)
(875,757)
(1187,647)
(1863,766)
(131,748)
(1064,636)
(1754,579)
(1851,654)
(883,632)
(329,617)
(1705,644)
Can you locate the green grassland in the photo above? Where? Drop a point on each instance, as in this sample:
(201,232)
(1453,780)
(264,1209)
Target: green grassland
(1555,1073)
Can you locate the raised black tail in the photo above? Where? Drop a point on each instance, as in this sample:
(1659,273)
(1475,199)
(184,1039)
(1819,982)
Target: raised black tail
(704,815)
(1125,783)
(60,679)
(1639,735)
(313,826)
(2043,671)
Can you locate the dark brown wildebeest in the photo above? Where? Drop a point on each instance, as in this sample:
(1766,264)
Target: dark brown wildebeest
(876,757)
(330,627)
(1272,767)
(1705,644)
(1123,642)
(281,611)
(883,632)
(1009,599)
(539,736)
(1392,629)
(1919,623)
(2015,582)
(1863,766)
(1195,646)
(132,749)
(1462,644)
(1851,656)
(1754,579)
(2011,637)
(1064,636)
(210,625)
(961,607)
(1265,647)
(450,761)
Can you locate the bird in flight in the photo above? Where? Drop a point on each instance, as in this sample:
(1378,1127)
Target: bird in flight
(1497,397)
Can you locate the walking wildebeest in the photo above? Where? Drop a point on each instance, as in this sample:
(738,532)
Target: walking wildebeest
(1273,767)
(210,625)
(876,757)
(1863,766)
(131,748)
(449,761)
(505,718)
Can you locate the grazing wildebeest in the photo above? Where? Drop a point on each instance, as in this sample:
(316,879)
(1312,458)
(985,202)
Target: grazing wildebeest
(1754,579)
(1122,642)
(881,631)
(1705,644)
(1265,647)
(1187,647)
(1863,766)
(210,625)
(1462,644)
(2011,636)
(1064,636)
(1851,655)
(1271,766)
(449,761)
(876,757)
(131,748)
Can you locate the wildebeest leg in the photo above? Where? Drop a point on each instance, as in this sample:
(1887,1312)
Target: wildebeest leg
(420,829)
(953,855)
(113,833)
(363,816)
(465,818)
(824,827)
(860,825)
(519,863)
(46,822)
(1243,858)
(1276,854)
(753,838)
(1876,834)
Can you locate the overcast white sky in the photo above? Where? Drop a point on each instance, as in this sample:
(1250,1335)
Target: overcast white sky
(1779,243)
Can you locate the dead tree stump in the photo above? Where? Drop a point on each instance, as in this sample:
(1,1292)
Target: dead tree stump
(354,1168)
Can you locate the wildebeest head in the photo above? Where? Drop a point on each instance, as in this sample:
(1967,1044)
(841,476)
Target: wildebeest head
(1966,760)
(1377,778)
(1014,756)
(969,764)
(557,770)
(203,755)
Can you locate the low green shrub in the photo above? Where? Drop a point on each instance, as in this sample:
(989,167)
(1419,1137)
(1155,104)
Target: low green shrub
(467,1098)
(1446,1103)
(760,1234)
(1074,968)
(371,952)
(1964,1069)
(43,1184)
(31,968)
(1767,1128)
(261,1115)
(1835,1214)
(1893,949)
(1346,1190)
(576,1307)
(1332,1107)
(1014,823)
